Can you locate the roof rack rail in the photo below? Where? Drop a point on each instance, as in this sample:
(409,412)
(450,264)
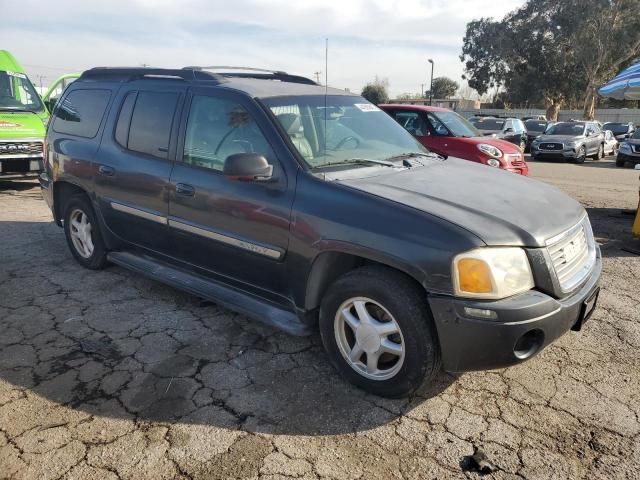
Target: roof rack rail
(134,73)
(250,72)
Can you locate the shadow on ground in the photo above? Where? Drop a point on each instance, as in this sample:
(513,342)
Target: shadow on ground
(112,343)
(612,229)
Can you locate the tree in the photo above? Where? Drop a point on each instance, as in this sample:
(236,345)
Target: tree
(559,51)
(444,87)
(376,91)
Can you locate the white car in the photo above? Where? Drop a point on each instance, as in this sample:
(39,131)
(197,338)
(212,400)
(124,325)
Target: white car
(611,145)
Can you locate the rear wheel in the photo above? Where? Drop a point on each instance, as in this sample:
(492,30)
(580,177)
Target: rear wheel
(83,233)
(600,154)
(377,330)
(581,155)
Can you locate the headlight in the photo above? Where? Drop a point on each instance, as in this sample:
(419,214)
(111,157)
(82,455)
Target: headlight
(489,150)
(625,147)
(492,162)
(492,273)
(571,144)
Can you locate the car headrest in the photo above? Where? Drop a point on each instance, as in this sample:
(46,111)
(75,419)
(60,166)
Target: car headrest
(290,122)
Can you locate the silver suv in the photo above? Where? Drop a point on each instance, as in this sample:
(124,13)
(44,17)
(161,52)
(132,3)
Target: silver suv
(570,141)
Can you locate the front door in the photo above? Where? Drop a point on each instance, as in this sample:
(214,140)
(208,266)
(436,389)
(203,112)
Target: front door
(132,175)
(236,231)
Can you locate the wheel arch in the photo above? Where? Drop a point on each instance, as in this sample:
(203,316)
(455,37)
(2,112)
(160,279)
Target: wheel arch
(329,265)
(62,190)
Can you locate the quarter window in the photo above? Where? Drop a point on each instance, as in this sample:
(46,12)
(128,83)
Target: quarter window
(81,112)
(217,128)
(151,121)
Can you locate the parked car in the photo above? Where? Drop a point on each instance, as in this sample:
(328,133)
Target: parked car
(535,128)
(629,151)
(509,129)
(622,131)
(542,118)
(570,141)
(611,145)
(448,134)
(22,120)
(309,208)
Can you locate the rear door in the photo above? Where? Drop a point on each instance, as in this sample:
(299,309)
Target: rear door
(593,138)
(135,162)
(236,231)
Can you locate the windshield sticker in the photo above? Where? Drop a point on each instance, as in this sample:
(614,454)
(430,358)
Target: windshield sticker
(7,125)
(367,107)
(18,75)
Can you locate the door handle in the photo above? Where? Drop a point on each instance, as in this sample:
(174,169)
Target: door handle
(105,170)
(185,189)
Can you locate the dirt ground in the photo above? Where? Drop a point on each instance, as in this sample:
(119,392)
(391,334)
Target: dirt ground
(107,375)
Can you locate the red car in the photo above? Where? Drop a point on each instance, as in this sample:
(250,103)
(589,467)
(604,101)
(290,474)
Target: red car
(445,132)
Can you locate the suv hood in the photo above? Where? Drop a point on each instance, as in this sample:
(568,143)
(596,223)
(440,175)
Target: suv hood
(497,206)
(20,125)
(560,138)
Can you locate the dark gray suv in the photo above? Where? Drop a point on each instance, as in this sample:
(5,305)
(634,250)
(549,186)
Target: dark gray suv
(311,209)
(570,141)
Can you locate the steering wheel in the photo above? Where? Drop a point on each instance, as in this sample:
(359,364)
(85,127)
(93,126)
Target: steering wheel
(347,139)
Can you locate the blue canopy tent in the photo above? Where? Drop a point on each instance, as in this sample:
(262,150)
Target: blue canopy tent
(624,86)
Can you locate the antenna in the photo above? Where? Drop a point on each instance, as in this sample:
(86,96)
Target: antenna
(326,83)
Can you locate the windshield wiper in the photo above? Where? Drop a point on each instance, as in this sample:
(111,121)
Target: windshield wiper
(406,155)
(359,161)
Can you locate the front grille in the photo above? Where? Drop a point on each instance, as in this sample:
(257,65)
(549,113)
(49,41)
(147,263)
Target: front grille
(21,149)
(635,148)
(515,159)
(550,146)
(573,255)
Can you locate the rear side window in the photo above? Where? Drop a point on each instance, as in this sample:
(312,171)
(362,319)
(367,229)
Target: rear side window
(151,122)
(124,119)
(81,112)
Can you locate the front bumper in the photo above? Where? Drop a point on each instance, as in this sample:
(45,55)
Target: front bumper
(566,153)
(469,343)
(20,166)
(631,158)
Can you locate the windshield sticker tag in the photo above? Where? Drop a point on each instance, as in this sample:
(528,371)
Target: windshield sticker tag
(8,125)
(16,74)
(367,107)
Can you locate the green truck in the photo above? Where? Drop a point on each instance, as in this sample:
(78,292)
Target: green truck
(23,118)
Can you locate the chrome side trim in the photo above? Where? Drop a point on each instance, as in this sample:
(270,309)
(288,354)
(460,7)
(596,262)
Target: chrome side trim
(139,213)
(251,247)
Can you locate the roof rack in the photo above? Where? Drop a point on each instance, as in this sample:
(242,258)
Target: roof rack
(250,72)
(134,73)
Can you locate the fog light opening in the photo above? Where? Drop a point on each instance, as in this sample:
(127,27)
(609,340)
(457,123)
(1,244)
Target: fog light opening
(528,344)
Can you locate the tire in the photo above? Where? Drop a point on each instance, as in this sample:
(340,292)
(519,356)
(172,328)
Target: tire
(600,154)
(392,302)
(86,244)
(582,155)
(620,163)
(523,145)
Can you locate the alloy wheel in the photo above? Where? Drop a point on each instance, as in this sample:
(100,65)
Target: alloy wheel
(369,338)
(80,231)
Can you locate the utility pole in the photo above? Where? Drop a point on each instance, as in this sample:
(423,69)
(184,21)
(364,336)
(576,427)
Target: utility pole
(317,75)
(431,87)
(40,77)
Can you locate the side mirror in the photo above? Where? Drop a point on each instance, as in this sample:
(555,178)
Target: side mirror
(247,167)
(508,130)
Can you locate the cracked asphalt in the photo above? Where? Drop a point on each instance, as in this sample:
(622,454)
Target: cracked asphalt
(108,375)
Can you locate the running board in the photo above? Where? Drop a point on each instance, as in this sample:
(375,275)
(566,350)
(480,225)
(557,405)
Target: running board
(230,298)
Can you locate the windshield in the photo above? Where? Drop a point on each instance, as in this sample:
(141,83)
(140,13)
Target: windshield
(17,93)
(617,128)
(573,129)
(535,125)
(457,125)
(340,128)
(488,123)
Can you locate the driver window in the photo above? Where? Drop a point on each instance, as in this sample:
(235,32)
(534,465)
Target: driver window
(437,125)
(412,122)
(217,128)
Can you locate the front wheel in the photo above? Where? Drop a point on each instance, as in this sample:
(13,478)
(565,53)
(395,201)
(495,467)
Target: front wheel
(83,234)
(620,163)
(581,155)
(377,329)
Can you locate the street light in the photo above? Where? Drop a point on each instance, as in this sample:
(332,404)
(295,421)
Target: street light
(431,86)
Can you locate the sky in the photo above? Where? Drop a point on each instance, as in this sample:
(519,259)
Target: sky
(390,39)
